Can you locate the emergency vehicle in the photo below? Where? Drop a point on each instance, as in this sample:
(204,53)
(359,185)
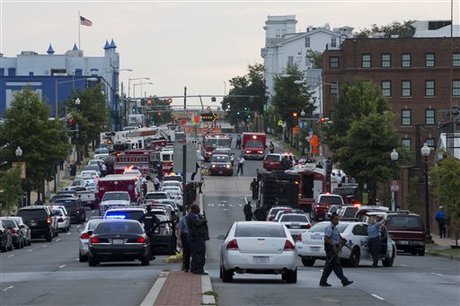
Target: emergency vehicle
(211,142)
(143,160)
(253,145)
(120,182)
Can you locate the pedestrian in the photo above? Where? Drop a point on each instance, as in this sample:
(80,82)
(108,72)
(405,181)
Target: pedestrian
(260,213)
(441,219)
(374,239)
(271,147)
(240,164)
(197,235)
(144,187)
(150,220)
(156,183)
(238,142)
(182,241)
(247,209)
(284,163)
(255,189)
(332,245)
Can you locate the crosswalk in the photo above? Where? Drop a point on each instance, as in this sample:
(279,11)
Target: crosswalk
(227,205)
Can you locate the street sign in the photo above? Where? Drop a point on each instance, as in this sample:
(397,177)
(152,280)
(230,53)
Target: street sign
(208,117)
(280,122)
(394,185)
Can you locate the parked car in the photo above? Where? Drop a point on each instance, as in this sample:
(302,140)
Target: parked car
(274,210)
(75,209)
(258,247)
(322,204)
(6,240)
(26,233)
(408,231)
(40,221)
(311,245)
(296,224)
(85,233)
(63,218)
(16,233)
(118,240)
(272,161)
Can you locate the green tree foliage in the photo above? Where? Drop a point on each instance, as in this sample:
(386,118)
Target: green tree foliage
(403,30)
(43,141)
(316,58)
(159,112)
(251,84)
(10,189)
(290,97)
(446,187)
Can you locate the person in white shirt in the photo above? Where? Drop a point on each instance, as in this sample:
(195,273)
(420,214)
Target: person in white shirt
(240,165)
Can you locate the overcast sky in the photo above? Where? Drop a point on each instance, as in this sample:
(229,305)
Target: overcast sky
(198,44)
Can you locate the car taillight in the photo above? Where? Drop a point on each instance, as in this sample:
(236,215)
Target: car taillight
(288,246)
(140,240)
(85,236)
(94,240)
(232,245)
(48,220)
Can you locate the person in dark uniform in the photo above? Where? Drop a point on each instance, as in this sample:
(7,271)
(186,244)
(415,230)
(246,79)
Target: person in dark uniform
(247,209)
(197,235)
(373,233)
(332,245)
(182,241)
(255,189)
(150,220)
(284,163)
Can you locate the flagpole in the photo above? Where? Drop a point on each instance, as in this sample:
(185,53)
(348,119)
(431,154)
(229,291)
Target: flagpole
(79,24)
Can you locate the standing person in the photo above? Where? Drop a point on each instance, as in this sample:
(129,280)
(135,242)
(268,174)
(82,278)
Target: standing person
(247,209)
(271,147)
(284,163)
(240,165)
(197,235)
(156,183)
(144,186)
(150,220)
(255,189)
(238,142)
(332,244)
(182,241)
(373,233)
(441,219)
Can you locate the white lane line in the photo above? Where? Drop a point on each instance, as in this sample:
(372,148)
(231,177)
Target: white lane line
(245,200)
(44,246)
(7,288)
(231,205)
(61,266)
(30,250)
(11,255)
(224,208)
(405,266)
(68,233)
(437,274)
(59,239)
(153,293)
(378,297)
(78,259)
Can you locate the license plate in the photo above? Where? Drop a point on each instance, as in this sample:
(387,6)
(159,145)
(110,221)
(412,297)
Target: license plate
(295,226)
(33,224)
(118,241)
(315,248)
(261,259)
(403,242)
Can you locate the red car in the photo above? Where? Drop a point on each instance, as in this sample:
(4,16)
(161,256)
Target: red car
(272,161)
(322,204)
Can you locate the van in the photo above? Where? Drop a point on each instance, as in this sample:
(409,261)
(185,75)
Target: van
(408,231)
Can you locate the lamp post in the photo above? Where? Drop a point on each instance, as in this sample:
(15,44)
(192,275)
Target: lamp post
(140,83)
(425,150)
(394,158)
(18,153)
(302,133)
(134,79)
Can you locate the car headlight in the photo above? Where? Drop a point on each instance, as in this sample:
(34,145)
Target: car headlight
(247,151)
(228,166)
(213,166)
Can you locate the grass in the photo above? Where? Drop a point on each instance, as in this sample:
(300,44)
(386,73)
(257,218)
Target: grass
(213,293)
(446,251)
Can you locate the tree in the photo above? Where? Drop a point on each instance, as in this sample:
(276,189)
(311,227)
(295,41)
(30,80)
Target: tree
(43,141)
(159,111)
(316,58)
(446,187)
(10,189)
(403,30)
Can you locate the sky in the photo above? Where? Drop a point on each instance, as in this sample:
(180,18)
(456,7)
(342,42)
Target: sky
(197,44)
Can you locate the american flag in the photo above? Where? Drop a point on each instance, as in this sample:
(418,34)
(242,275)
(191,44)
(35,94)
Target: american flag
(85,22)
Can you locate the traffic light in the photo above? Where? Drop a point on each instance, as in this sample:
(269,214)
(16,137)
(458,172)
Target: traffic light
(294,114)
(323,119)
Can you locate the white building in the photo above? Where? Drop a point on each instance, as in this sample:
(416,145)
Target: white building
(435,28)
(284,46)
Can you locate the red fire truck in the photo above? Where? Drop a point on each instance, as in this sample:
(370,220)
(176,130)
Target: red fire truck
(211,142)
(119,182)
(140,159)
(253,145)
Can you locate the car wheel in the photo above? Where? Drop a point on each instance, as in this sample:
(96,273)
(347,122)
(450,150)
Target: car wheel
(49,237)
(388,262)
(227,275)
(354,257)
(291,276)
(421,252)
(92,262)
(56,233)
(82,258)
(3,248)
(308,262)
(10,248)
(145,261)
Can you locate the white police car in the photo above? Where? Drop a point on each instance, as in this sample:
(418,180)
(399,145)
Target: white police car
(311,246)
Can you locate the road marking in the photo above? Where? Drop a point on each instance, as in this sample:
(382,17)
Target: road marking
(11,255)
(45,246)
(378,297)
(437,274)
(231,205)
(405,266)
(210,204)
(61,266)
(30,250)
(153,293)
(78,259)
(59,239)
(245,199)
(7,288)
(68,233)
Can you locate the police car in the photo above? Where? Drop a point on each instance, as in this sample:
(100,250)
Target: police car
(311,246)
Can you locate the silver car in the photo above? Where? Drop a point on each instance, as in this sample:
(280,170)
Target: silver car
(63,218)
(84,238)
(260,248)
(25,230)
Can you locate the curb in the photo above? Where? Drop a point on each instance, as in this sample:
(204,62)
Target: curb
(151,297)
(206,288)
(442,255)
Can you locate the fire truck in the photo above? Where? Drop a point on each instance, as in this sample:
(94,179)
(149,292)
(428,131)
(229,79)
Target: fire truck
(119,182)
(211,142)
(253,145)
(138,159)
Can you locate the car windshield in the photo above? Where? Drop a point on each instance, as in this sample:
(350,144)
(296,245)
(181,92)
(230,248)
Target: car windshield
(57,212)
(254,144)
(330,199)
(31,214)
(116,196)
(350,211)
(9,223)
(219,159)
(155,196)
(72,204)
(272,158)
(295,218)
(320,227)
(118,228)
(259,230)
(124,214)
(404,221)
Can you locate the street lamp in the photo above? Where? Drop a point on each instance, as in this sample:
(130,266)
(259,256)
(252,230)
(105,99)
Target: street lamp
(425,150)
(134,79)
(57,83)
(394,157)
(140,83)
(18,153)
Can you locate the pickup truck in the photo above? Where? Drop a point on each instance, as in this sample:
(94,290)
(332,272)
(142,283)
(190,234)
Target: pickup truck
(114,199)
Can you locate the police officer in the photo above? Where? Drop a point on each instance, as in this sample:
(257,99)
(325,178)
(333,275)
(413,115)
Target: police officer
(271,147)
(182,241)
(255,189)
(332,244)
(197,235)
(247,209)
(150,220)
(373,234)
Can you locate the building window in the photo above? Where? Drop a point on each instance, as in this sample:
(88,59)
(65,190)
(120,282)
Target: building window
(406,143)
(430,88)
(334,62)
(430,116)
(406,117)
(456,88)
(332,89)
(290,62)
(429,60)
(278,33)
(386,60)
(366,61)
(333,42)
(430,142)
(386,88)
(307,42)
(405,88)
(456,59)
(405,60)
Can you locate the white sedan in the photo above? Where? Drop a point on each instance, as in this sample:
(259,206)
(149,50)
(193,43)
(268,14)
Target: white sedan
(311,246)
(84,238)
(296,223)
(258,247)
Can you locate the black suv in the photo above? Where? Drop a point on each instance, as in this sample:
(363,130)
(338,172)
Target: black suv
(74,207)
(40,221)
